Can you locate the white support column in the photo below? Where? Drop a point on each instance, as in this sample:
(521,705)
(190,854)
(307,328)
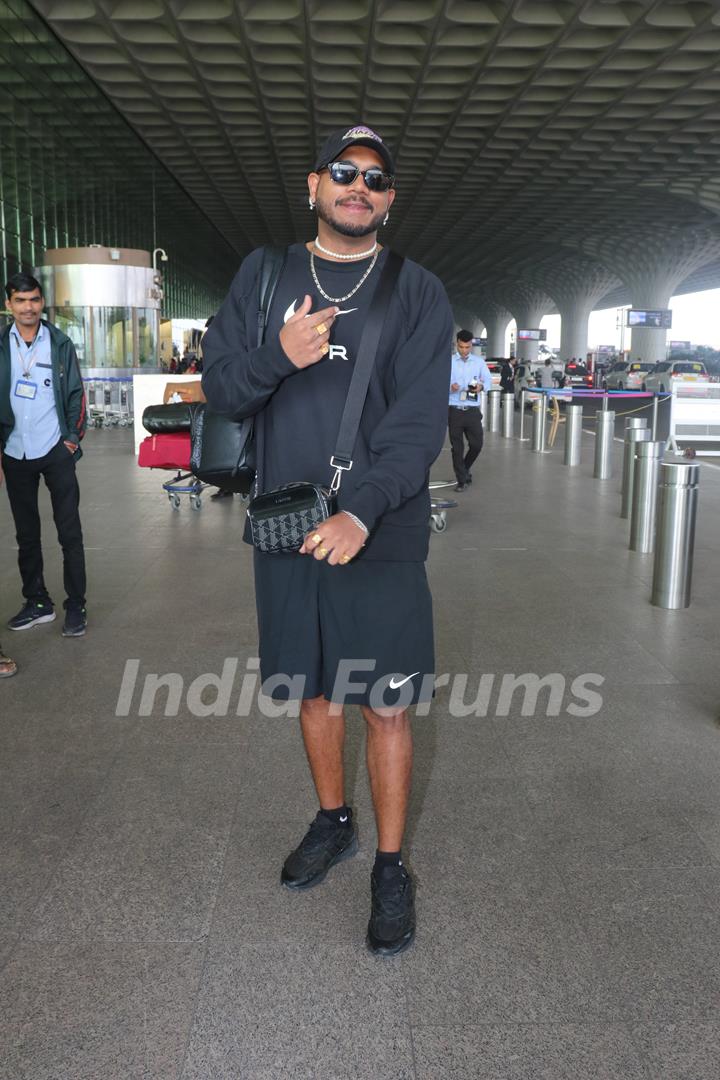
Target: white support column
(496,319)
(574,331)
(653,271)
(528,304)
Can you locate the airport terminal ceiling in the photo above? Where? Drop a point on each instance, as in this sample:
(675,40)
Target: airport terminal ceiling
(535,141)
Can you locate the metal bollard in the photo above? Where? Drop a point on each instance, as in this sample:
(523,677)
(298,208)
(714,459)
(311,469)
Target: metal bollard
(646,475)
(508,415)
(604,444)
(655,416)
(522,436)
(494,410)
(573,434)
(538,426)
(633,437)
(674,548)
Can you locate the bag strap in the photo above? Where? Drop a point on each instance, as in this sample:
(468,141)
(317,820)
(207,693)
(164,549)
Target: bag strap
(270,271)
(342,459)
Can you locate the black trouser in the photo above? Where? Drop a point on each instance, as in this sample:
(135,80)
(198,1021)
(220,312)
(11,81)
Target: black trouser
(465,424)
(22,477)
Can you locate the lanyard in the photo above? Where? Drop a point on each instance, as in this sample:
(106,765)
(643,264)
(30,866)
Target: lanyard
(28,361)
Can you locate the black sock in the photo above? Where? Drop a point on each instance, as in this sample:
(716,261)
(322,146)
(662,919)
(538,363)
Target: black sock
(387,858)
(341,816)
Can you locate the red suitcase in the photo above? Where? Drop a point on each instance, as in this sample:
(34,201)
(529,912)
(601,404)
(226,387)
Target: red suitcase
(165,451)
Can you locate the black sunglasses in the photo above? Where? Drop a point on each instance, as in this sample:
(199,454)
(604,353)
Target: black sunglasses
(344,172)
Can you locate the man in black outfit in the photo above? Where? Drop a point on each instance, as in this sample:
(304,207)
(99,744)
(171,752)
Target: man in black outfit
(42,420)
(348,619)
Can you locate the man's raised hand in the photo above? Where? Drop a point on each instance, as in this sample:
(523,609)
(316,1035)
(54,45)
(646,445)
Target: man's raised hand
(304,337)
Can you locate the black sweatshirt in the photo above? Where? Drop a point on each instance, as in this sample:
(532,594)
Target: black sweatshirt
(298,411)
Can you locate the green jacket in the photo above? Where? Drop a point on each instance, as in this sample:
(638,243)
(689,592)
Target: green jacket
(67,387)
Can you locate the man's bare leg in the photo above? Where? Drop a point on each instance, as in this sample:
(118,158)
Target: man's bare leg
(324,738)
(331,837)
(389,762)
(389,758)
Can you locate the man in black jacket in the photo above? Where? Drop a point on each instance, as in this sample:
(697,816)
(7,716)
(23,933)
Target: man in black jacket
(348,620)
(42,420)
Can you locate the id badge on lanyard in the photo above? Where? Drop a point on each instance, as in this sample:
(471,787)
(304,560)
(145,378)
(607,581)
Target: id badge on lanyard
(24,388)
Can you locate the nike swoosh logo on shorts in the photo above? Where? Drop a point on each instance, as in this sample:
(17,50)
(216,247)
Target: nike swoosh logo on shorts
(396,685)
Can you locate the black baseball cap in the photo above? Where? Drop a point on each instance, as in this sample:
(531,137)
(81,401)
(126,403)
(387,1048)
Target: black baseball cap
(360,135)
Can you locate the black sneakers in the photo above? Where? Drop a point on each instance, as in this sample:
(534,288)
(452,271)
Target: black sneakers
(392,919)
(75,622)
(32,614)
(323,845)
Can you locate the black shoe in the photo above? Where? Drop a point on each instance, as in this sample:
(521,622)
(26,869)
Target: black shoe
(75,622)
(468,478)
(392,920)
(222,494)
(34,613)
(323,845)
(459,487)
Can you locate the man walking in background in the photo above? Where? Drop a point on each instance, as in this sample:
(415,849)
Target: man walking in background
(469,376)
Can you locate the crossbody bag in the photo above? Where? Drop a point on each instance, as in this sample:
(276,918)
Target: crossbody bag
(281,519)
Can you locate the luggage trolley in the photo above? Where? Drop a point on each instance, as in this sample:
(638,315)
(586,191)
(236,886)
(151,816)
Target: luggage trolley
(125,402)
(171,452)
(184,484)
(111,417)
(96,410)
(439,507)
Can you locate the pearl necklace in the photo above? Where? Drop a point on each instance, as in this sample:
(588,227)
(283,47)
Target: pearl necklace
(340,299)
(337,255)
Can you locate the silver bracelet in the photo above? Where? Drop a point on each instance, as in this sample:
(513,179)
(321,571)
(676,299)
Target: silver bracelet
(360,524)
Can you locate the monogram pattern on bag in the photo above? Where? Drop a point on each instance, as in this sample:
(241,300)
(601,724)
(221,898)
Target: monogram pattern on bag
(285,532)
(197,434)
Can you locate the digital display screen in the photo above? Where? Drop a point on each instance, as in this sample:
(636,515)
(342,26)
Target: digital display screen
(532,335)
(660,320)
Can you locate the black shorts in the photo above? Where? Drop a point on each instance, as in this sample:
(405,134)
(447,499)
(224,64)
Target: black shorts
(359,634)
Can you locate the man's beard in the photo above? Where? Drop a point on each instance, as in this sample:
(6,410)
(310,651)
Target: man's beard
(325,213)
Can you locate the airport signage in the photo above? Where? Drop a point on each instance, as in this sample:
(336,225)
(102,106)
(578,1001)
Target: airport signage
(657,320)
(532,335)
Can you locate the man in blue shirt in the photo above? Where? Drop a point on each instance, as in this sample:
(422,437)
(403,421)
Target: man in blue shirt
(42,419)
(470,375)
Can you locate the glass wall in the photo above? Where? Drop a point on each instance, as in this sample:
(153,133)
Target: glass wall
(75,322)
(148,332)
(111,337)
(73,172)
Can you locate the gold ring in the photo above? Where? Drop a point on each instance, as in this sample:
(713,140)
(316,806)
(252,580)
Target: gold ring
(345,559)
(324,348)
(316,539)
(323,551)
(321,328)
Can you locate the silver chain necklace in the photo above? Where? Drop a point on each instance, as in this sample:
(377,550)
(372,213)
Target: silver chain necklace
(340,299)
(337,255)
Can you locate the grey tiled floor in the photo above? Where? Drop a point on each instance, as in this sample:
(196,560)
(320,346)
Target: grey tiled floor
(568,867)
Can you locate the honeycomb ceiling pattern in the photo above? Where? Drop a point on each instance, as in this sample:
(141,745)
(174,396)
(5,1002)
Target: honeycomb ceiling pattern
(528,134)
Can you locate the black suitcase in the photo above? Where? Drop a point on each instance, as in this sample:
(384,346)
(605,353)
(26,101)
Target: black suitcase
(168,419)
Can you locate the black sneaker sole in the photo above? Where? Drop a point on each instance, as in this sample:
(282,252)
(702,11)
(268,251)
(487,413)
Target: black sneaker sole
(397,947)
(346,853)
(35,622)
(73,633)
